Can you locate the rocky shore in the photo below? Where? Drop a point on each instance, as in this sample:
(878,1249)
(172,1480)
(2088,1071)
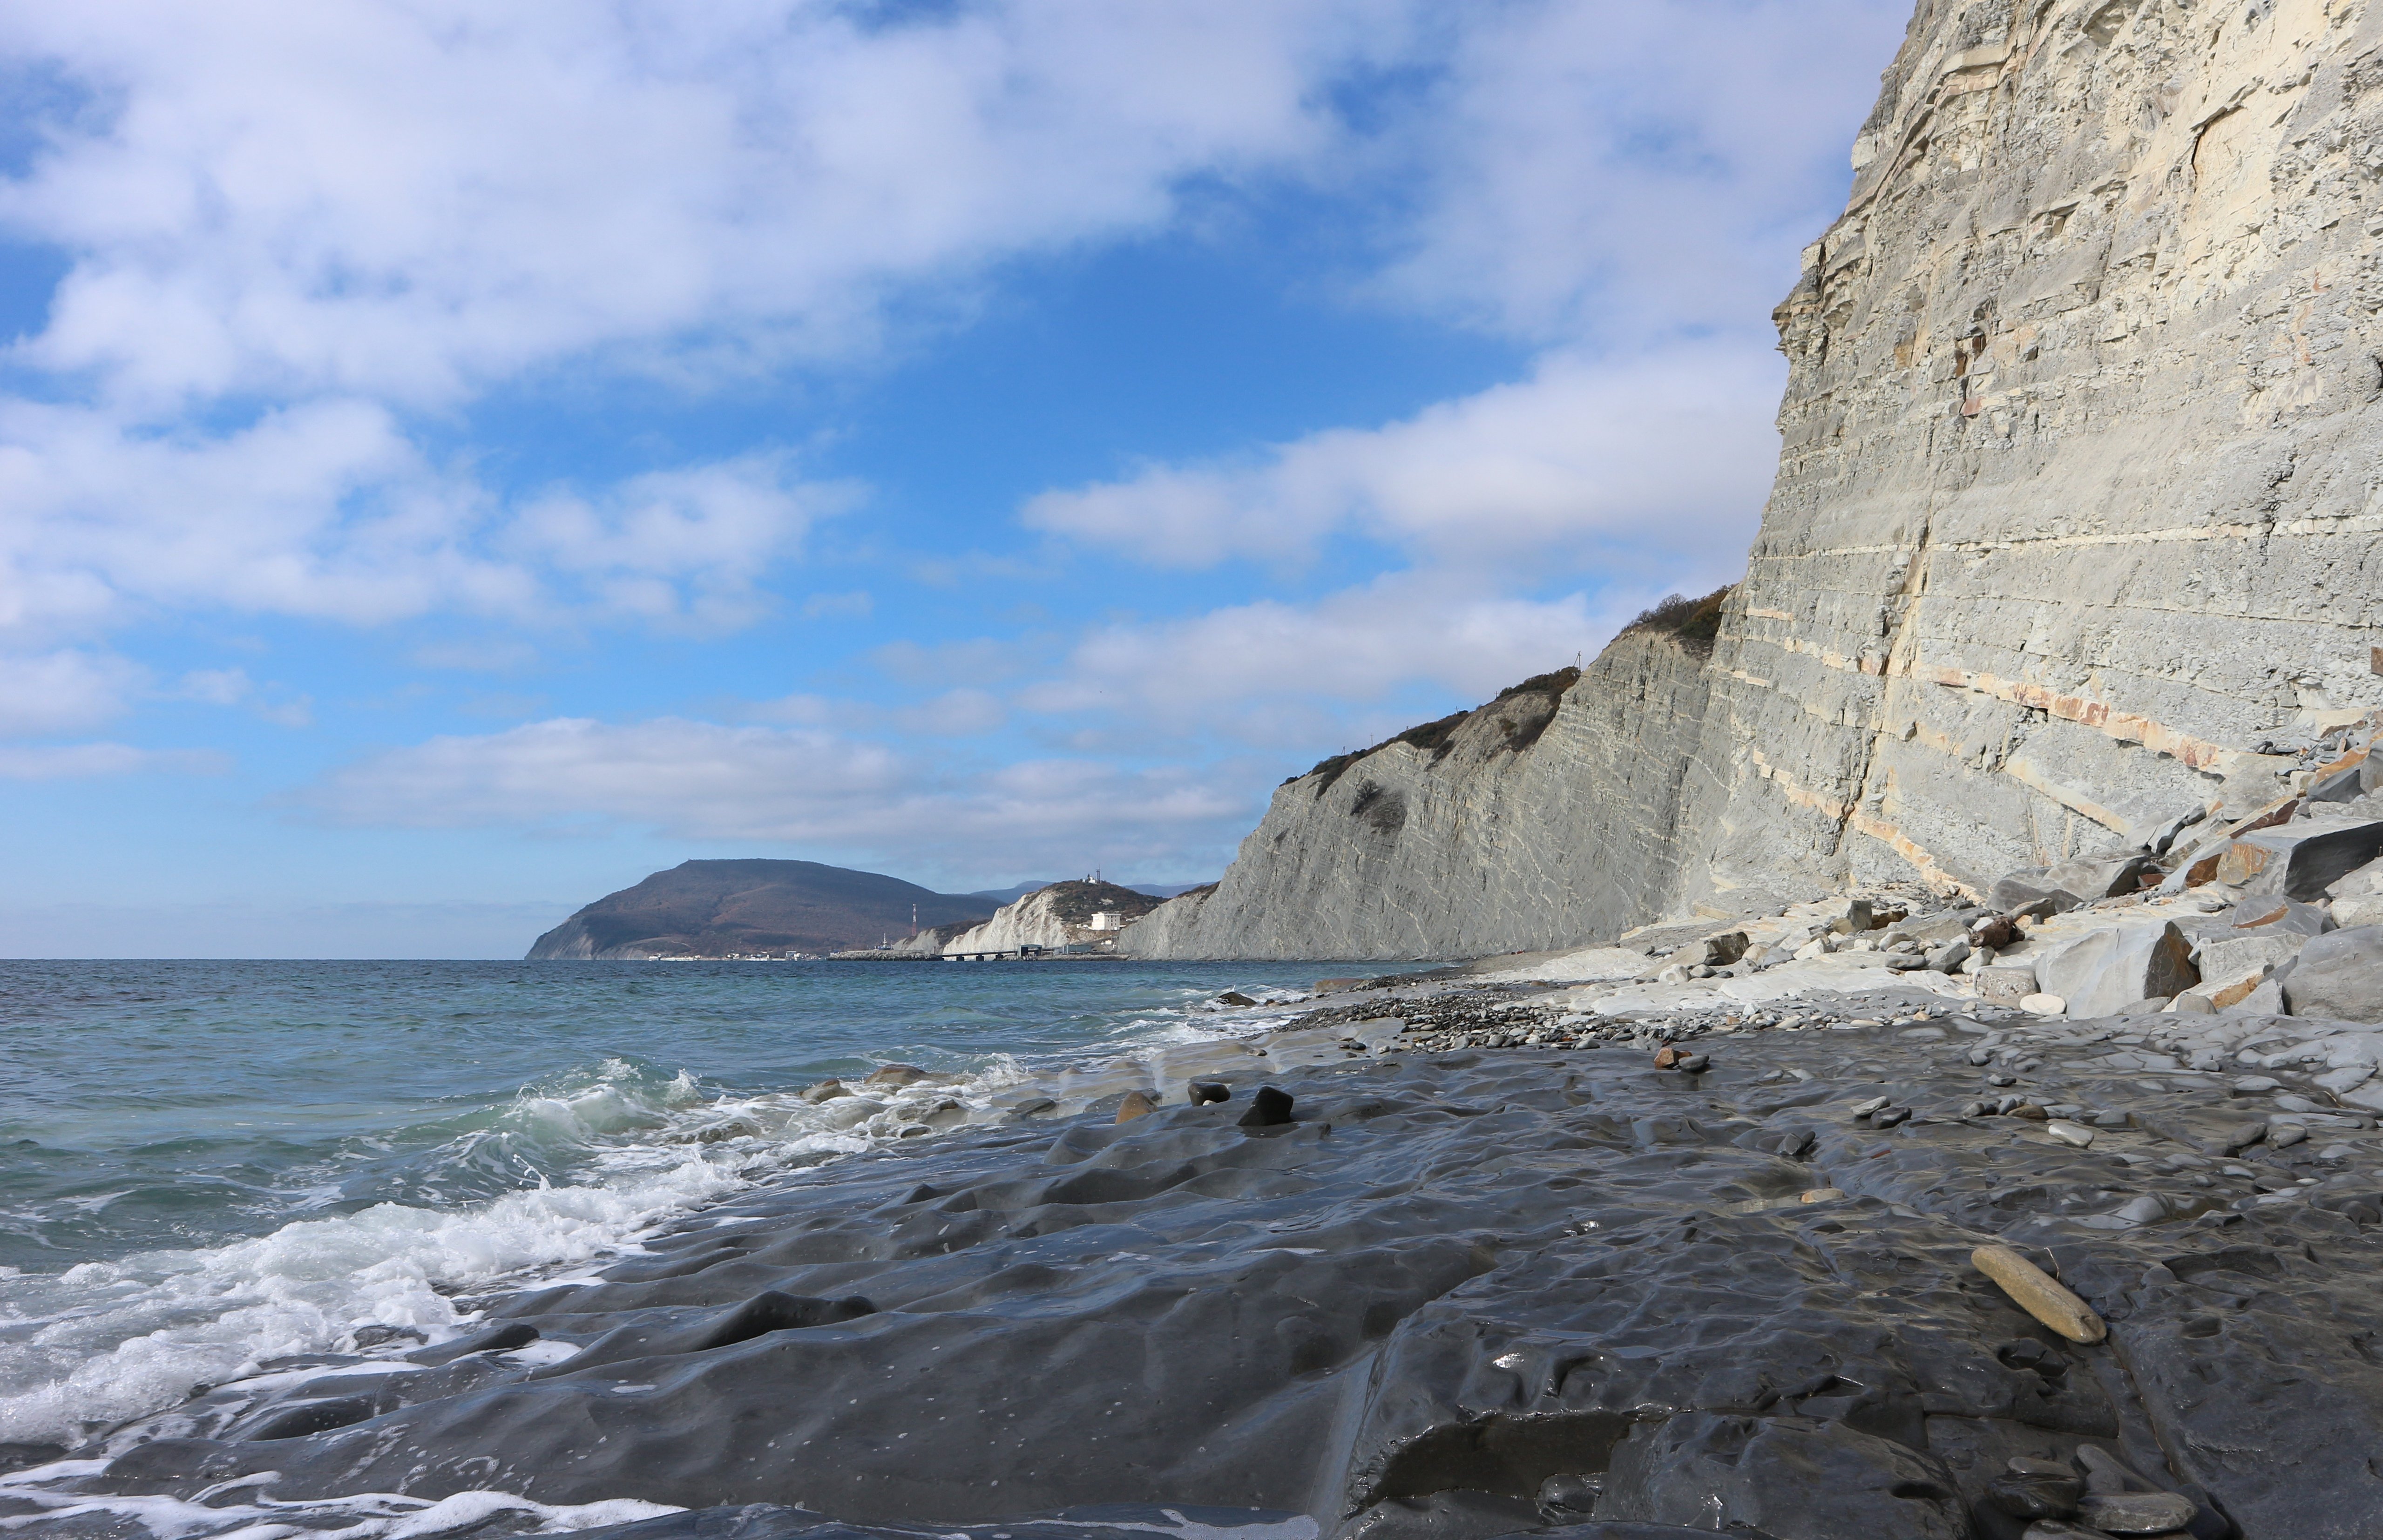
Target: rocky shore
(1458,1258)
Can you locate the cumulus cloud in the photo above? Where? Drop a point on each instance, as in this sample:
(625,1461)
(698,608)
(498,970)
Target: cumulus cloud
(410,200)
(1586,460)
(1293,676)
(1627,174)
(327,511)
(808,787)
(66,691)
(293,239)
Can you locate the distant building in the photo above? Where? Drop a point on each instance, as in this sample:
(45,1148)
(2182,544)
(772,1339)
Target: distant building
(1108,919)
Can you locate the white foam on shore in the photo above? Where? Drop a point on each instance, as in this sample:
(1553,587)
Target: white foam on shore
(367,1516)
(107,1342)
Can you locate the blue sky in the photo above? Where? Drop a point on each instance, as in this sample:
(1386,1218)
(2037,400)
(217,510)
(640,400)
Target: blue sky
(453,464)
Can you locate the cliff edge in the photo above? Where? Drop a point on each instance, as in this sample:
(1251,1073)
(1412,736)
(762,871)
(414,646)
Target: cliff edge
(2074,525)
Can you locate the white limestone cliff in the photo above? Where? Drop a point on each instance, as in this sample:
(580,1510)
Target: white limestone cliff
(2076,518)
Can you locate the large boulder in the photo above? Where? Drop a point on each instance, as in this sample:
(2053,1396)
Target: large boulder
(2073,883)
(2222,960)
(2301,858)
(2339,975)
(2114,965)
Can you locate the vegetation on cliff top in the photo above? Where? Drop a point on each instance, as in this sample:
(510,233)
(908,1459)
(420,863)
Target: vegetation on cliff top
(1696,620)
(1435,735)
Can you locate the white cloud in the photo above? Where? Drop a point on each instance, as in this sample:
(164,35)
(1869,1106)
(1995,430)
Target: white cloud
(811,789)
(1293,676)
(410,200)
(683,544)
(216,686)
(327,512)
(1658,457)
(293,238)
(1628,174)
(66,691)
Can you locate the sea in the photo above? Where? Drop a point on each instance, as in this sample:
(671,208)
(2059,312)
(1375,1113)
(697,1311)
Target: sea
(208,1165)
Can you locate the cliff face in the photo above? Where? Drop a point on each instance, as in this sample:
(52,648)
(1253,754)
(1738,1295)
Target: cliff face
(1542,816)
(1060,914)
(2077,514)
(2076,504)
(735,908)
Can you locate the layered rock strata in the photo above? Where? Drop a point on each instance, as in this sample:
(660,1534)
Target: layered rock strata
(2076,521)
(1548,814)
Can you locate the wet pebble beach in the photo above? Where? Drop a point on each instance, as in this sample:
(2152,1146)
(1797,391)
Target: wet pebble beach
(1500,1264)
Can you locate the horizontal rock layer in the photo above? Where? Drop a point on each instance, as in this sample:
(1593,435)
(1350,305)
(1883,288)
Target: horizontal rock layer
(2076,511)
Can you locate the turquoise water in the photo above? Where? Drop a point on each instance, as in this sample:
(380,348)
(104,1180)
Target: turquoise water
(207,1165)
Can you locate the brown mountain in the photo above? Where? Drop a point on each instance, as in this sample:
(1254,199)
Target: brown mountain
(727,909)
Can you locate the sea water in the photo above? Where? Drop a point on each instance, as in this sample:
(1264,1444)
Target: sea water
(207,1165)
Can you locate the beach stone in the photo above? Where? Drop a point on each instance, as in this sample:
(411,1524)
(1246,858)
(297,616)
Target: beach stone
(1995,932)
(2353,913)
(1268,1108)
(1137,1104)
(2135,1512)
(2340,976)
(2232,959)
(2283,1136)
(2071,885)
(896,1075)
(2266,999)
(2301,859)
(2104,969)
(2147,1208)
(2035,1494)
(2268,913)
(2365,881)
(1201,1093)
(2069,1133)
(1853,918)
(2043,1004)
(1236,998)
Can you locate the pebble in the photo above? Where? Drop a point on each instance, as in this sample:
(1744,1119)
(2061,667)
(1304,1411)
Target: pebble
(2069,1133)
(2282,1136)
(1864,1109)
(2044,1005)
(2135,1512)
(1269,1109)
(2036,1292)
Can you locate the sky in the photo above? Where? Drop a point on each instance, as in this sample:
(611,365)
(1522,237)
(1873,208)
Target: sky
(455,460)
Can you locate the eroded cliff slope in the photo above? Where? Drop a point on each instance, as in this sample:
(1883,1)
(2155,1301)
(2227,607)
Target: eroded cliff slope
(2077,514)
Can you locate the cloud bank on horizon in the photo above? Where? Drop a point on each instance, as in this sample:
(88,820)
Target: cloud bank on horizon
(473,458)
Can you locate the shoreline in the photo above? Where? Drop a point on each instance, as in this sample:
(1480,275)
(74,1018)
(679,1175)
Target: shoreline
(1295,1320)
